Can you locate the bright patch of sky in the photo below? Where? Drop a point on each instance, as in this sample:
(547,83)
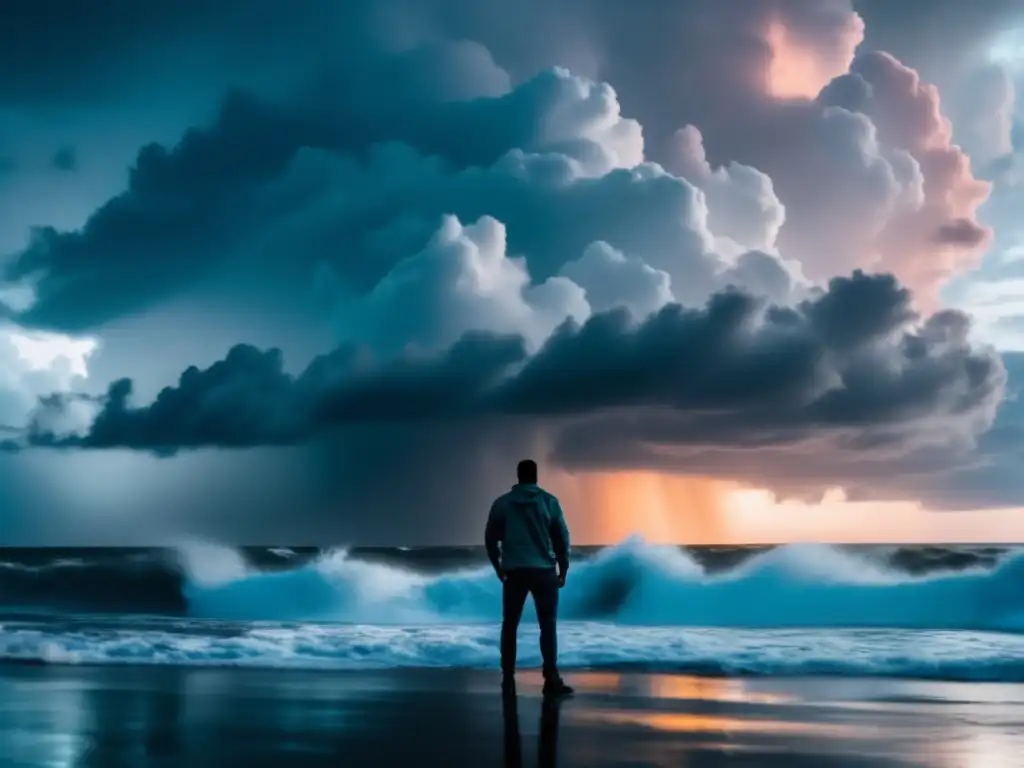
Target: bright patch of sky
(994,293)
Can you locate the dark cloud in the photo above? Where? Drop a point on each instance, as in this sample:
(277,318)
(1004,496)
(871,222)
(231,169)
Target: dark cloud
(282,194)
(140,243)
(78,52)
(247,399)
(256,186)
(449,199)
(991,474)
(870,464)
(961,232)
(848,369)
(65,159)
(74,49)
(200,201)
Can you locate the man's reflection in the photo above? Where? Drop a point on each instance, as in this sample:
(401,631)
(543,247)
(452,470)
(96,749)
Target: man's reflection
(547,743)
(513,741)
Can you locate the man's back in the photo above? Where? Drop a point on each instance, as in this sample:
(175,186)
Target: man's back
(529,523)
(526,537)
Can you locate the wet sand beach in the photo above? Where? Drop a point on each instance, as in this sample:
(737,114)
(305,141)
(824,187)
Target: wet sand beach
(169,716)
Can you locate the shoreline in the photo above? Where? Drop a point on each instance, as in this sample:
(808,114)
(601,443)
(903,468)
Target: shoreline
(633,670)
(122,643)
(170,715)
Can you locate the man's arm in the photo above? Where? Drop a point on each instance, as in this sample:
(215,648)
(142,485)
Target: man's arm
(560,537)
(494,534)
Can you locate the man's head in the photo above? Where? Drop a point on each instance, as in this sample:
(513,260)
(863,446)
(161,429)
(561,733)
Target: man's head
(526,471)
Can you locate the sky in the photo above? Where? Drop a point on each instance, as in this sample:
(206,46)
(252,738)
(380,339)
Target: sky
(322,273)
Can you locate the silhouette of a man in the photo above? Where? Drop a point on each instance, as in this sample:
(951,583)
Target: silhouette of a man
(526,539)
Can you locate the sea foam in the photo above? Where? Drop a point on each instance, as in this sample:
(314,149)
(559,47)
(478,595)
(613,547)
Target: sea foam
(635,583)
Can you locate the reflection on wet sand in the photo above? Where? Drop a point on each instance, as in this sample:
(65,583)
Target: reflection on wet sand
(659,686)
(679,688)
(928,723)
(682,722)
(547,739)
(105,716)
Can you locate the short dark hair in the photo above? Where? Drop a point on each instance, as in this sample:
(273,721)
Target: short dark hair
(526,471)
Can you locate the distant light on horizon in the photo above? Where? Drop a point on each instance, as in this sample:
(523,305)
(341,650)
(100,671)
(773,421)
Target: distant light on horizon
(608,507)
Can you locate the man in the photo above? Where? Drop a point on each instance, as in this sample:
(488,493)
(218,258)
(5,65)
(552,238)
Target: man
(526,539)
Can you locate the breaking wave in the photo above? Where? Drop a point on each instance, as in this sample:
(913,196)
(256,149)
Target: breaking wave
(635,583)
(793,610)
(632,583)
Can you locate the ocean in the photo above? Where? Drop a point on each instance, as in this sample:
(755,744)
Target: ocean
(941,612)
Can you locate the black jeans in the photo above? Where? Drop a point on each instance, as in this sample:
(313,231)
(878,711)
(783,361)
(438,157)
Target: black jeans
(542,583)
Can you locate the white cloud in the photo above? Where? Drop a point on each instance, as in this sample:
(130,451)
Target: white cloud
(463,280)
(612,279)
(743,208)
(582,110)
(35,364)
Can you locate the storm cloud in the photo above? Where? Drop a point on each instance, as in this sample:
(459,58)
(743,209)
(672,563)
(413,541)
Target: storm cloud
(353,173)
(604,234)
(853,368)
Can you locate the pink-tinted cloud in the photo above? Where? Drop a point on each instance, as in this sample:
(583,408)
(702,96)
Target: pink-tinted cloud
(797,70)
(908,201)
(868,174)
(942,236)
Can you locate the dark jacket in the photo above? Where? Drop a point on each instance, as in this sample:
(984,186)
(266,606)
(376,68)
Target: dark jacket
(529,525)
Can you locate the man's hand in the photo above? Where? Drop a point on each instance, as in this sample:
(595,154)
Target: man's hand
(501,576)
(561,580)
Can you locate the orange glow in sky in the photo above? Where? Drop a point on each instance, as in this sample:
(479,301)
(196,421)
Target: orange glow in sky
(608,507)
(796,71)
(793,73)
(763,517)
(604,508)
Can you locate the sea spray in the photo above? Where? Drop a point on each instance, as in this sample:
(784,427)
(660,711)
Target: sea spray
(792,610)
(632,583)
(638,584)
(206,563)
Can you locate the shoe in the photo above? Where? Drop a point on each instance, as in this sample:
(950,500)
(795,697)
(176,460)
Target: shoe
(558,688)
(508,685)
